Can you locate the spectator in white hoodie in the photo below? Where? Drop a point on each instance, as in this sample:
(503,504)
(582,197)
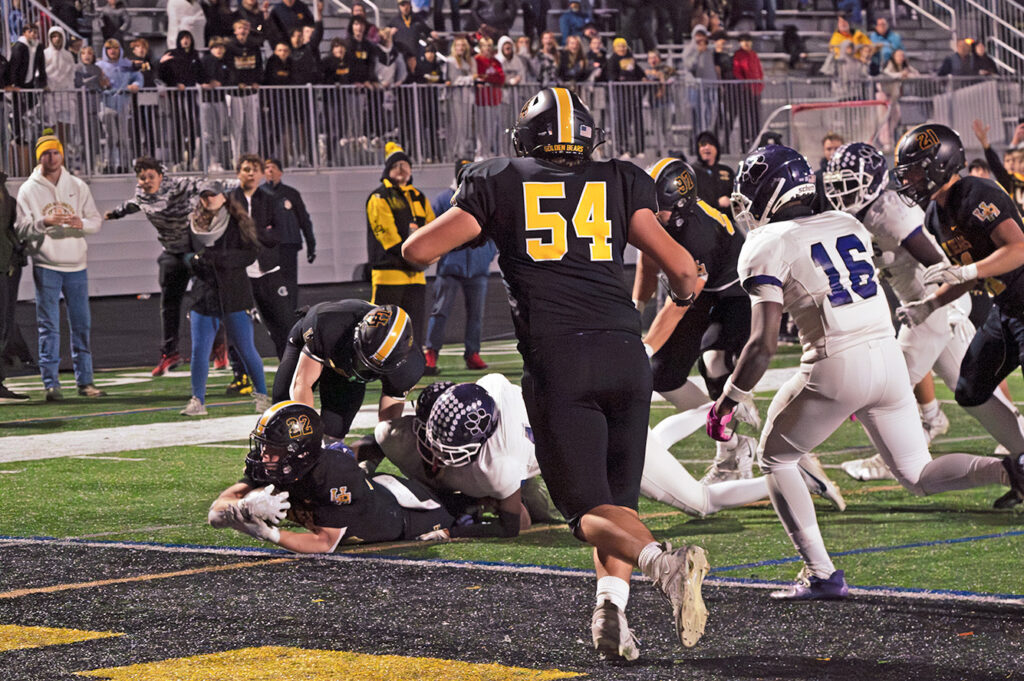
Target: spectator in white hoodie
(60,79)
(55,213)
(185,15)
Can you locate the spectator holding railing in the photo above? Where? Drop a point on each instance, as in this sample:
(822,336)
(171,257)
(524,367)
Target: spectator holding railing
(623,70)
(244,102)
(890,87)
(985,64)
(213,108)
(182,69)
(547,60)
(92,81)
(462,78)
(961,62)
(27,71)
(573,67)
(429,74)
(512,64)
(116,113)
(60,78)
(699,63)
(597,58)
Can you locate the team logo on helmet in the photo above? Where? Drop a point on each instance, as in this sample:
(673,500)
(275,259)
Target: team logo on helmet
(460,422)
(926,139)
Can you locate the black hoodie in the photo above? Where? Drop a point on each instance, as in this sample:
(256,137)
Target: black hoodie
(714,180)
(184,66)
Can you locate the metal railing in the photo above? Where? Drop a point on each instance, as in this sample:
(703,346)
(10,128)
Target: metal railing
(320,127)
(1004,21)
(32,12)
(937,11)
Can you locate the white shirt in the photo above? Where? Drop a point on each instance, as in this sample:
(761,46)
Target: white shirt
(891,222)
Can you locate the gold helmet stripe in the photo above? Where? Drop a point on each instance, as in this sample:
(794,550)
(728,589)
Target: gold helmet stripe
(269,413)
(563,101)
(660,166)
(389,344)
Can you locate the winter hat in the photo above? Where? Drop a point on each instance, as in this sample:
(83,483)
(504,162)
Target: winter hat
(393,154)
(47,142)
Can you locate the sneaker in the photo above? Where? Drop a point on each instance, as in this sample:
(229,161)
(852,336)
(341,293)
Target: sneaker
(935,427)
(474,362)
(167,362)
(679,574)
(811,588)
(734,460)
(7,395)
(1014,466)
(90,390)
(612,637)
(746,412)
(240,386)
(220,356)
(262,401)
(54,395)
(1008,500)
(872,468)
(194,408)
(430,368)
(818,483)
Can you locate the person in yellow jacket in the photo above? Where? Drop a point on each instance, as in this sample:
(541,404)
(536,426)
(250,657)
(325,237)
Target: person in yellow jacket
(394,211)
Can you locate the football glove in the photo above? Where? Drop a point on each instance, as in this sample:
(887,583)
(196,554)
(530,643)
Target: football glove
(310,256)
(944,273)
(916,312)
(435,535)
(235,517)
(259,529)
(717,425)
(263,504)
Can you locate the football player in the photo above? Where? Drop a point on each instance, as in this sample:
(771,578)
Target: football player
(978,226)
(289,473)
(855,182)
(818,268)
(343,345)
(561,222)
(717,324)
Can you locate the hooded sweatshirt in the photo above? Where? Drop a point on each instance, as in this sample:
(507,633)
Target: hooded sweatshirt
(28,65)
(121,73)
(714,179)
(699,64)
(60,63)
(184,67)
(56,247)
(516,70)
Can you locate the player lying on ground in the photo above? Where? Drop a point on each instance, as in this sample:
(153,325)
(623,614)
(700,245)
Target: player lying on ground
(817,267)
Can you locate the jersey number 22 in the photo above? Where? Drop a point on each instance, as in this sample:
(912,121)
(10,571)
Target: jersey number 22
(859,273)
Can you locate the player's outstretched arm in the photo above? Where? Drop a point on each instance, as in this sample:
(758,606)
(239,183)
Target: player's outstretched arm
(648,236)
(922,248)
(428,243)
(307,372)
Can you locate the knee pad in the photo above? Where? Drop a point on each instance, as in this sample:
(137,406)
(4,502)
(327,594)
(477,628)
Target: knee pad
(967,395)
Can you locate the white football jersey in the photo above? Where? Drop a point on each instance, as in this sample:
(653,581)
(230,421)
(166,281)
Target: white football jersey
(507,457)
(890,222)
(822,263)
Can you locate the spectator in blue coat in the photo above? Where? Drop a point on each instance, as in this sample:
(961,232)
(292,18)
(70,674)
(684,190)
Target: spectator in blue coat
(886,41)
(465,268)
(573,20)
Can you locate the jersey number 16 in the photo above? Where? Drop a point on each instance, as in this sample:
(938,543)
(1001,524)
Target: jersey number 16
(589,221)
(859,273)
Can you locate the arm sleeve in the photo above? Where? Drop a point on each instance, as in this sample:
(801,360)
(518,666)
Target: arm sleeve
(305,223)
(127,208)
(474,195)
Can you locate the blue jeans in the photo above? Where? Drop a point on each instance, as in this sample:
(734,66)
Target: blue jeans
(239,328)
(74,286)
(446,288)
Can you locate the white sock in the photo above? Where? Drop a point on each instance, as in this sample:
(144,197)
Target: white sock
(647,556)
(929,410)
(795,509)
(812,549)
(613,589)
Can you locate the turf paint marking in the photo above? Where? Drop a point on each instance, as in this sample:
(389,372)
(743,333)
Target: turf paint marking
(18,593)
(15,637)
(270,663)
(892,592)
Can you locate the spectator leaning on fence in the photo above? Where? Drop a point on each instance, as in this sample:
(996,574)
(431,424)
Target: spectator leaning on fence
(243,102)
(213,108)
(55,213)
(961,62)
(985,64)
(511,63)
(747,67)
(394,210)
(60,77)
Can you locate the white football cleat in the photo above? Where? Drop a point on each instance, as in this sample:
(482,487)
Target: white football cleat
(746,412)
(818,483)
(936,426)
(872,468)
(734,460)
(612,637)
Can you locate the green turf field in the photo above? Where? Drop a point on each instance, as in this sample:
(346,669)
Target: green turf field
(162,494)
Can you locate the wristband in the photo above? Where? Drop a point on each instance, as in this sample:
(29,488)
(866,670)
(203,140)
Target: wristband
(649,350)
(969,272)
(682,302)
(737,395)
(639,305)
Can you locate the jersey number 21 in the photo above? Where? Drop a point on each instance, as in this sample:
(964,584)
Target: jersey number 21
(859,273)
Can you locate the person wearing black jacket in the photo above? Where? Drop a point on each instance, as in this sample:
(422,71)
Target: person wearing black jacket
(213,108)
(714,179)
(305,44)
(244,102)
(27,71)
(1012,182)
(288,15)
(278,70)
(258,16)
(429,71)
(290,223)
(410,32)
(224,242)
(182,68)
(10,276)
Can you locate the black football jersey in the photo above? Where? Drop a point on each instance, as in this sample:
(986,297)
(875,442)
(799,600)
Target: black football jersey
(328,330)
(337,493)
(561,233)
(973,209)
(715,245)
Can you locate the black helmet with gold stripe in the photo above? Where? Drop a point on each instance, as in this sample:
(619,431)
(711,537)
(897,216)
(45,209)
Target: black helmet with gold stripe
(556,124)
(677,184)
(285,443)
(383,345)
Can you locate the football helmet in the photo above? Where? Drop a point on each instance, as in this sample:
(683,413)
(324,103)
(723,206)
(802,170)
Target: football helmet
(292,431)
(854,177)
(555,123)
(383,341)
(676,182)
(424,403)
(767,179)
(927,157)
(461,420)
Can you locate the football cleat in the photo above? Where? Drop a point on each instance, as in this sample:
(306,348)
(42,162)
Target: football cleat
(1014,466)
(811,588)
(475,363)
(220,356)
(872,468)
(734,460)
(935,426)
(1008,500)
(240,386)
(430,362)
(818,483)
(612,637)
(679,575)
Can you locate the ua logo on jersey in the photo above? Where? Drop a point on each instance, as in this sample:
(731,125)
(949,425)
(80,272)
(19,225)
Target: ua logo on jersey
(340,496)
(986,212)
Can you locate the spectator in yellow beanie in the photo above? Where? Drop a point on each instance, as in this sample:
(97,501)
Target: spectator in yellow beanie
(395,210)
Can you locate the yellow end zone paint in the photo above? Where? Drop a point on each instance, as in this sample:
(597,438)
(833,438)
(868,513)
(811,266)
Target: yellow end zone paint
(274,663)
(14,637)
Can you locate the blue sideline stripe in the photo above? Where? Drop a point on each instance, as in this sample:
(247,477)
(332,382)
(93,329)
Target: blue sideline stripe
(873,549)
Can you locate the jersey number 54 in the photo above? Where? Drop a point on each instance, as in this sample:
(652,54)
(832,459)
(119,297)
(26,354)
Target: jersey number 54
(589,221)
